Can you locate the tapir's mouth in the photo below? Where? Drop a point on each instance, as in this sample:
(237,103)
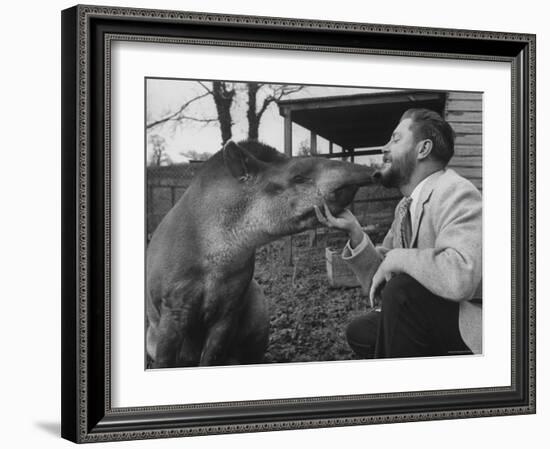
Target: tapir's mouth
(310,214)
(342,196)
(377,175)
(337,200)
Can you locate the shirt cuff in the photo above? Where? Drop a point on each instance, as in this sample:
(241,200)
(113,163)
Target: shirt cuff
(349,252)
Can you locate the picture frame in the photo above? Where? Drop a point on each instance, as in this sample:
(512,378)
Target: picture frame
(87,411)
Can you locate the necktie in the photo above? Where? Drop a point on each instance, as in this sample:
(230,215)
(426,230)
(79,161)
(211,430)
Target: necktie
(405,226)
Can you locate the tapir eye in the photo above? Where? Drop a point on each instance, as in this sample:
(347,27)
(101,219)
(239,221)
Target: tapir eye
(299,179)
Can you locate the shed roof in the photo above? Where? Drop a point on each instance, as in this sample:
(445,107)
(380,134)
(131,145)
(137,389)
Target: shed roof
(358,121)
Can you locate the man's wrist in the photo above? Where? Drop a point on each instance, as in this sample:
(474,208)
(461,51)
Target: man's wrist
(393,260)
(356,236)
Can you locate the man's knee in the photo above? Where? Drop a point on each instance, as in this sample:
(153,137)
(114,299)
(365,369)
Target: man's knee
(401,283)
(399,290)
(361,334)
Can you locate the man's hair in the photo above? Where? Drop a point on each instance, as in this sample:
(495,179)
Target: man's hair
(427,124)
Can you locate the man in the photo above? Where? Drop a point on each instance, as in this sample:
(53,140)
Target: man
(429,264)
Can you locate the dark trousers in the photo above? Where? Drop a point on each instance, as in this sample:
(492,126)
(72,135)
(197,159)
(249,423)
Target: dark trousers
(412,322)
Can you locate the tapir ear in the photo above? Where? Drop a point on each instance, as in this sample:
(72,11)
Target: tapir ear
(240,162)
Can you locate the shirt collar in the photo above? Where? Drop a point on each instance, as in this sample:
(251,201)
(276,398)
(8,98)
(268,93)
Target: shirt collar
(415,195)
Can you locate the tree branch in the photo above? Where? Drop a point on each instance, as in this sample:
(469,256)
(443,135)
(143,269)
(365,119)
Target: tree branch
(267,101)
(193,119)
(205,88)
(178,114)
(283,91)
(277,94)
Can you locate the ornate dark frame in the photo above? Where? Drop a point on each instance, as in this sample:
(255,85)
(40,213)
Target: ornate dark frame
(87,33)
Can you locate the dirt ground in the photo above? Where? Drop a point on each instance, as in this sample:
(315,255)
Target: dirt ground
(308,317)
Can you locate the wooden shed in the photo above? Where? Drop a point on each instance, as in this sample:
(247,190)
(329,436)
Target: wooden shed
(361,125)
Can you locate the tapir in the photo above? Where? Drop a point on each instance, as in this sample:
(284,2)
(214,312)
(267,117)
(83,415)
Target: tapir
(203,305)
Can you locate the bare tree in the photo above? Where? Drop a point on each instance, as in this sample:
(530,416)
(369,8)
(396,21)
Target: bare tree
(259,97)
(304,148)
(223,94)
(256,106)
(195,155)
(158,156)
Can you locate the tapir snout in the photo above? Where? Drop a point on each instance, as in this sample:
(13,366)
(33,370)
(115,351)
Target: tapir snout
(342,180)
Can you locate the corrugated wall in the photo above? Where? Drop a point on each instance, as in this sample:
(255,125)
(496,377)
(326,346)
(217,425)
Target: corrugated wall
(464,113)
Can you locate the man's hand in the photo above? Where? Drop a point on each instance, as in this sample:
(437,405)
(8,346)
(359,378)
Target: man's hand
(386,270)
(345,221)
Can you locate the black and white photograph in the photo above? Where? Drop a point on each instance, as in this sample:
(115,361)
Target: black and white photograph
(275,225)
(284,223)
(310,223)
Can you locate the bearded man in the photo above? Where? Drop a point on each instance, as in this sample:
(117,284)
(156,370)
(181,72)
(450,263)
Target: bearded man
(429,264)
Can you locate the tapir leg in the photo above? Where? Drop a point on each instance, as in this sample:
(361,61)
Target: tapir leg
(171,342)
(241,339)
(219,338)
(253,333)
(176,352)
(167,339)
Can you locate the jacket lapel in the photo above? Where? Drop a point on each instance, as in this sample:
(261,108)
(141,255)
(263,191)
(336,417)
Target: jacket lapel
(425,195)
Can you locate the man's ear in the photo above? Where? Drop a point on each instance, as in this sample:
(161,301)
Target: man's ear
(241,164)
(425,148)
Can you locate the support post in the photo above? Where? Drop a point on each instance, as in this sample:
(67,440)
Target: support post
(288,151)
(352,159)
(313,143)
(288,133)
(312,234)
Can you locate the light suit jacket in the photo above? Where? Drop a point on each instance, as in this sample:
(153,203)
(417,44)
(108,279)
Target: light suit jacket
(445,254)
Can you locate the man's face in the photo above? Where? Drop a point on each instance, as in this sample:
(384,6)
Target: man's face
(399,156)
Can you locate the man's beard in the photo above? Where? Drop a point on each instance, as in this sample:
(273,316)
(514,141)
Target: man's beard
(399,171)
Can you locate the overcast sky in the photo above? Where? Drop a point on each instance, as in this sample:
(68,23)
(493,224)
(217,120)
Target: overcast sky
(166,96)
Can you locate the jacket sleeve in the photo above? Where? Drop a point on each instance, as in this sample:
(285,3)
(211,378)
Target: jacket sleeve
(365,262)
(452,269)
